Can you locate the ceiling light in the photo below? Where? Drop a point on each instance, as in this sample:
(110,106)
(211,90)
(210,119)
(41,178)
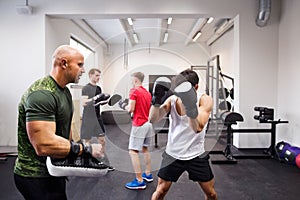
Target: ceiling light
(222,27)
(169,20)
(135,37)
(196,36)
(130,22)
(210,20)
(166,37)
(220,31)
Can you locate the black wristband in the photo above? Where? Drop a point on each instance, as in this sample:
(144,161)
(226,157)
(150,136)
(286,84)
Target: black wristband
(87,148)
(74,149)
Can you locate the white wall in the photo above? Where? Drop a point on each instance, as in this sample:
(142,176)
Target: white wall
(288,73)
(24,40)
(258,71)
(170,59)
(22,55)
(58,32)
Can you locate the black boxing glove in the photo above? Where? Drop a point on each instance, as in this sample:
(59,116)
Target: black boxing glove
(186,92)
(114,99)
(123,103)
(101,99)
(160,91)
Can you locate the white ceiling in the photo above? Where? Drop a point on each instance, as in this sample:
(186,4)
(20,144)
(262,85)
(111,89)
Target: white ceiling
(151,30)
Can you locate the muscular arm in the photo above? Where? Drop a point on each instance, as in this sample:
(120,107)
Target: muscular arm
(204,110)
(157,113)
(44,140)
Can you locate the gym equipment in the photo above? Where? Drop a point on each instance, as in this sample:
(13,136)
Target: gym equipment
(114,99)
(231,93)
(280,148)
(265,114)
(298,160)
(186,92)
(223,93)
(215,81)
(230,118)
(290,154)
(116,117)
(74,165)
(225,105)
(82,166)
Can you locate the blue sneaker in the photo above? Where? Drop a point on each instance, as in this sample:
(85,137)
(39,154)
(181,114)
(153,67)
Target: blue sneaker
(136,185)
(148,178)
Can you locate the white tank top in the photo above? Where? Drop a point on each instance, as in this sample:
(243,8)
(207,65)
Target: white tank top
(183,142)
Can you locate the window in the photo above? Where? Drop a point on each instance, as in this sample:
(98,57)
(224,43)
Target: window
(84,49)
(89,57)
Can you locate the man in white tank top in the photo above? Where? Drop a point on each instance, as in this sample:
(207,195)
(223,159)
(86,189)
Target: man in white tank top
(185,147)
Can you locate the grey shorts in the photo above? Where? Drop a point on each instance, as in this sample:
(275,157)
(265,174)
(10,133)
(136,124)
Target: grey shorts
(140,136)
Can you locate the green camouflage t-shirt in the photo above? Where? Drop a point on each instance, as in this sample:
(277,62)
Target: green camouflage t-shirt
(45,100)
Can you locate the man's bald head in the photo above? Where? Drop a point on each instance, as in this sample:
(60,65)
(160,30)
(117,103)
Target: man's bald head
(68,65)
(63,54)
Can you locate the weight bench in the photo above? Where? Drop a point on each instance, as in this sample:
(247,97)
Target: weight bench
(266,115)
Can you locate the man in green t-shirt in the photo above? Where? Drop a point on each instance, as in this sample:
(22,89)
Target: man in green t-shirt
(44,127)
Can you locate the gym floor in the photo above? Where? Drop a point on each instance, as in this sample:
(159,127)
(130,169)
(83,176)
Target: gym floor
(249,179)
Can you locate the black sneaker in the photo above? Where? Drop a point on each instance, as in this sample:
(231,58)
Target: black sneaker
(110,168)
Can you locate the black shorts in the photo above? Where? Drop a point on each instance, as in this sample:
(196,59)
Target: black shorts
(198,168)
